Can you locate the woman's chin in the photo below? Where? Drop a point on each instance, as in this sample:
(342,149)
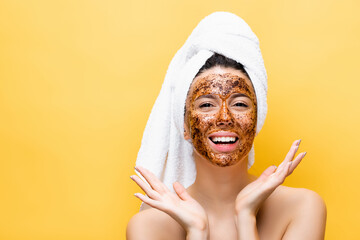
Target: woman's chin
(223,160)
(220,159)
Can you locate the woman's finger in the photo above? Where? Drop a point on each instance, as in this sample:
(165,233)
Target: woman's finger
(294,147)
(296,161)
(287,168)
(154,182)
(146,188)
(270,170)
(290,155)
(282,173)
(149,201)
(181,191)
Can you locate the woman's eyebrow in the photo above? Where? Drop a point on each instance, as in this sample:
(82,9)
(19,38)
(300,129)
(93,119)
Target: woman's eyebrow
(206,96)
(235,95)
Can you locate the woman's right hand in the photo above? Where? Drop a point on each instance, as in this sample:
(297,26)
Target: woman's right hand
(179,205)
(252,196)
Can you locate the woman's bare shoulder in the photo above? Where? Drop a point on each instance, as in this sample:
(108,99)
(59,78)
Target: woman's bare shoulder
(291,203)
(302,197)
(308,213)
(295,212)
(153,224)
(304,205)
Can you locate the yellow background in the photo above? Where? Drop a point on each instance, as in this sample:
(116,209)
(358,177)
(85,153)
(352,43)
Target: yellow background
(78,80)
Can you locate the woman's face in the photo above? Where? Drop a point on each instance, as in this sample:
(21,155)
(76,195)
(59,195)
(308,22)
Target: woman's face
(220,117)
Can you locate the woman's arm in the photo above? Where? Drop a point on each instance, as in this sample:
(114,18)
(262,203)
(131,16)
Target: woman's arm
(246,227)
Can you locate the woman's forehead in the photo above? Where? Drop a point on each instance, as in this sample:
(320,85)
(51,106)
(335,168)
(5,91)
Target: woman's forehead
(223,83)
(222,70)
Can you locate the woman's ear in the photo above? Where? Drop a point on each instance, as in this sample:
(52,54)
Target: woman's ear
(186,132)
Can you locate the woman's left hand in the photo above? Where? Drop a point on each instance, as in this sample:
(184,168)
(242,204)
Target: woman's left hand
(250,198)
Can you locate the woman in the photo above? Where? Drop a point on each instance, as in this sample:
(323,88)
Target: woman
(225,202)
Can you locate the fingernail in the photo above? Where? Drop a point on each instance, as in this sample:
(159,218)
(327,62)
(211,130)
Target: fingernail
(274,166)
(299,142)
(131,177)
(304,154)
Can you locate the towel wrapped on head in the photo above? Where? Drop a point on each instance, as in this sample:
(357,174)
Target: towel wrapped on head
(164,151)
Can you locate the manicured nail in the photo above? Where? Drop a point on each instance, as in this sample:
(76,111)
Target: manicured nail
(299,142)
(304,154)
(131,177)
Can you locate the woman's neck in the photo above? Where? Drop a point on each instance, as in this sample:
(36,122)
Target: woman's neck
(216,188)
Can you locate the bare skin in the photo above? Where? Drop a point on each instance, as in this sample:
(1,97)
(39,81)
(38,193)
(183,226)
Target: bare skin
(225,201)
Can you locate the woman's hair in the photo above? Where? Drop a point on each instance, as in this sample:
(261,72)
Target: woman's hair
(220,60)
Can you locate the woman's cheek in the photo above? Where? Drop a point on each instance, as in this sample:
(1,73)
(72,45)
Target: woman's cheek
(199,124)
(247,124)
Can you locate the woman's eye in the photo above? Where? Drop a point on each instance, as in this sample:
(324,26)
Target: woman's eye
(240,104)
(206,105)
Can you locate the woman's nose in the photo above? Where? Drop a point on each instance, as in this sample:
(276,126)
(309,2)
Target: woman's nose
(224,118)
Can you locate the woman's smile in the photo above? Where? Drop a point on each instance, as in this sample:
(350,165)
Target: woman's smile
(223,142)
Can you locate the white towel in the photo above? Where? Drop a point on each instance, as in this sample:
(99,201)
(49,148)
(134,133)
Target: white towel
(163,149)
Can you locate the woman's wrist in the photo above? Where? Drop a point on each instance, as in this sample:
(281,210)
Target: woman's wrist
(245,213)
(198,230)
(246,217)
(246,225)
(197,234)
(197,225)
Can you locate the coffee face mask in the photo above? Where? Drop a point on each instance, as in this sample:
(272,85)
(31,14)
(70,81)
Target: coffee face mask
(221,117)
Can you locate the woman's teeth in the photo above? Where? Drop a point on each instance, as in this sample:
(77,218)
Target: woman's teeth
(223,139)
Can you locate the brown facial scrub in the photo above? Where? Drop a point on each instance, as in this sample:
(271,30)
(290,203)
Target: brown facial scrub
(221,117)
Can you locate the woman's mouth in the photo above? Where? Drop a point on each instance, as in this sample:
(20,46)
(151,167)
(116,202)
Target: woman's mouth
(223,142)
